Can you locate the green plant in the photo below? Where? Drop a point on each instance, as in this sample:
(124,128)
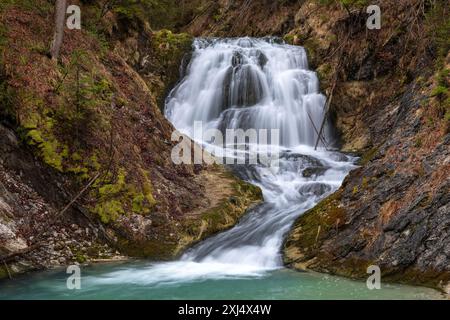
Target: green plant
(83,92)
(438,26)
(418,143)
(440,92)
(356,3)
(40,48)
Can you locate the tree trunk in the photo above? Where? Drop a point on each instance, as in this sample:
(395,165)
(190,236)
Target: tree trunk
(60,18)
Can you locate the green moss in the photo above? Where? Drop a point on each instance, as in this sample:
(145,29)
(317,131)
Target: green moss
(223,216)
(289,38)
(76,156)
(440,92)
(173,236)
(169,50)
(230,209)
(93,162)
(115,199)
(253,192)
(53,153)
(138,203)
(117,187)
(80,171)
(171,46)
(217,17)
(315,223)
(143,203)
(82,165)
(109,211)
(418,143)
(80,257)
(368,156)
(312,47)
(108,207)
(365,182)
(38,130)
(56,130)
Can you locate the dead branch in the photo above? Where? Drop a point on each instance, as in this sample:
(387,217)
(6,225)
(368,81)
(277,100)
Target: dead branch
(328,103)
(317,131)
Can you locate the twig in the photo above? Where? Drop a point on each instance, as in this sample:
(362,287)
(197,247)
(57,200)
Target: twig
(317,131)
(7,270)
(208,7)
(11,256)
(328,103)
(317,235)
(327,108)
(78,195)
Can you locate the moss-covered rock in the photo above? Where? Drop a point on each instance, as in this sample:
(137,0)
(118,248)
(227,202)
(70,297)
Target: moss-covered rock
(312,228)
(167,239)
(170,49)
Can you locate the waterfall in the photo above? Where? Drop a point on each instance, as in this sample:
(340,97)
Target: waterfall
(260,84)
(249,83)
(240,83)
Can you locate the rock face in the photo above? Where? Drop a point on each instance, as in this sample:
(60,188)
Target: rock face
(394,210)
(88,131)
(31,196)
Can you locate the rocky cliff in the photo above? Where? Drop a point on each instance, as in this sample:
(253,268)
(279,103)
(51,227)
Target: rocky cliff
(390,102)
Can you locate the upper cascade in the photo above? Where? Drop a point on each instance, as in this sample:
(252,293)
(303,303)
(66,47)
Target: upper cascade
(248,83)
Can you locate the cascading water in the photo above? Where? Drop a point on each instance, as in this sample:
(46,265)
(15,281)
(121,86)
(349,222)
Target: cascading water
(259,84)
(249,84)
